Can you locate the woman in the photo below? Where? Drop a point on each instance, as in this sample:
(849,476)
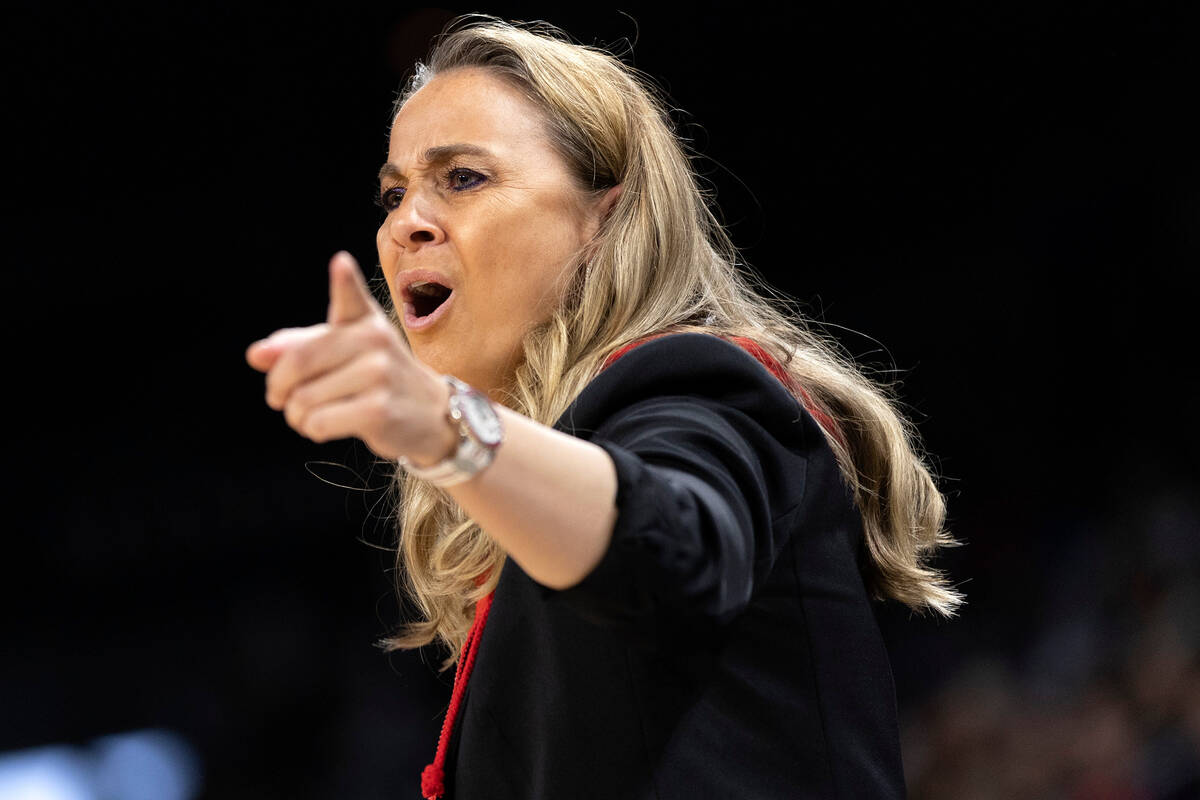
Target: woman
(649,513)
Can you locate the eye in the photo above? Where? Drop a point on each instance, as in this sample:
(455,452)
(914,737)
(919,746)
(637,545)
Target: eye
(390,199)
(461,178)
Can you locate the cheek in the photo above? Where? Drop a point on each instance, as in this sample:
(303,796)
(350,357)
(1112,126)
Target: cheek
(381,234)
(382,240)
(385,248)
(518,255)
(522,289)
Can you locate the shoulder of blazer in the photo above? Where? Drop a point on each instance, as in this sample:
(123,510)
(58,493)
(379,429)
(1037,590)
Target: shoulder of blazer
(698,365)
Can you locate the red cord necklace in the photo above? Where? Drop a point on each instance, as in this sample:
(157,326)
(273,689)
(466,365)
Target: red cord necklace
(433,777)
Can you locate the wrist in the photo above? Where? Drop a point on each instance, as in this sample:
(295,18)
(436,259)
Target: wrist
(443,437)
(465,439)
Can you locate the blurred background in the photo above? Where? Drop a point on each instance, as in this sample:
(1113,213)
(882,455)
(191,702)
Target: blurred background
(995,205)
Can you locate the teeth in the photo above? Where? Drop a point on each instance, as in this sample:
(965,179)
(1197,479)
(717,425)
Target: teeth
(427,288)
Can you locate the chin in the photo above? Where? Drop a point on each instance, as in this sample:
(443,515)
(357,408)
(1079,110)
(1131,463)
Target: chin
(437,358)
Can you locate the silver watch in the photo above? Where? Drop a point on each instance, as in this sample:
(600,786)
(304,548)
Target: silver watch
(479,435)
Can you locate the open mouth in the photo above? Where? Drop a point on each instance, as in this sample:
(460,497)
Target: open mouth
(427,297)
(425,302)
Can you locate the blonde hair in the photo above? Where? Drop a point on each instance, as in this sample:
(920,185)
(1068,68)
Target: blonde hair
(660,261)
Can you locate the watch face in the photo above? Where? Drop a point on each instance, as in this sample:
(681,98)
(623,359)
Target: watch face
(481,417)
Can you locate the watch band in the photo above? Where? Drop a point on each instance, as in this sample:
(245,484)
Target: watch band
(472,453)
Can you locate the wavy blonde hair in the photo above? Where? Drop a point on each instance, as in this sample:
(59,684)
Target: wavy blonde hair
(660,262)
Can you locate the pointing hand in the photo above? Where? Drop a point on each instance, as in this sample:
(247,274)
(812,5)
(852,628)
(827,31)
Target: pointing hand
(353,375)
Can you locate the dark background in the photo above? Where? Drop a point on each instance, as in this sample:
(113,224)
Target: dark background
(997,206)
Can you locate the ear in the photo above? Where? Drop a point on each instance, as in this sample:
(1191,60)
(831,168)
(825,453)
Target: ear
(601,210)
(609,200)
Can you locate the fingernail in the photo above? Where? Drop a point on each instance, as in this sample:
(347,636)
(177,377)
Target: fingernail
(344,257)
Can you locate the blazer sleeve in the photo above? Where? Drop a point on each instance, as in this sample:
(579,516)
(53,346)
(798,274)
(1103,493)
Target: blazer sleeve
(708,450)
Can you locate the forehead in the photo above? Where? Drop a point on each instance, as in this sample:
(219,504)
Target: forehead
(466,105)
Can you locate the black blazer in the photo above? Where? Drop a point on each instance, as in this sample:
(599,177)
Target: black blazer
(725,646)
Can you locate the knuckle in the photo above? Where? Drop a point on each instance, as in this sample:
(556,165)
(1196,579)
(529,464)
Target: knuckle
(378,363)
(299,398)
(378,330)
(301,358)
(294,414)
(308,343)
(377,404)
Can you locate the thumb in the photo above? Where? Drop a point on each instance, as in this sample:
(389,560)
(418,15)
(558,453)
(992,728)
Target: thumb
(263,354)
(349,297)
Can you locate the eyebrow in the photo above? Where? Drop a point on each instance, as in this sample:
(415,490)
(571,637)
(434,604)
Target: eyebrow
(436,155)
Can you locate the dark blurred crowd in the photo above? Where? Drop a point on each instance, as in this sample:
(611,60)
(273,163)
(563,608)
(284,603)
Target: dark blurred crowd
(1104,704)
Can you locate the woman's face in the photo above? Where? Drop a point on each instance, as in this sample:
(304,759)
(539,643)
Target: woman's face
(478,201)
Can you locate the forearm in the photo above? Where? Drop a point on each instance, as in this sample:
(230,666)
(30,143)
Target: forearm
(548,498)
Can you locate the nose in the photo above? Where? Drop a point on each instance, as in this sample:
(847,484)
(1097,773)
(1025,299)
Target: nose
(413,224)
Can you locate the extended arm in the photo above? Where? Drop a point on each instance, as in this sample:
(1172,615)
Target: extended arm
(670,490)
(547,498)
